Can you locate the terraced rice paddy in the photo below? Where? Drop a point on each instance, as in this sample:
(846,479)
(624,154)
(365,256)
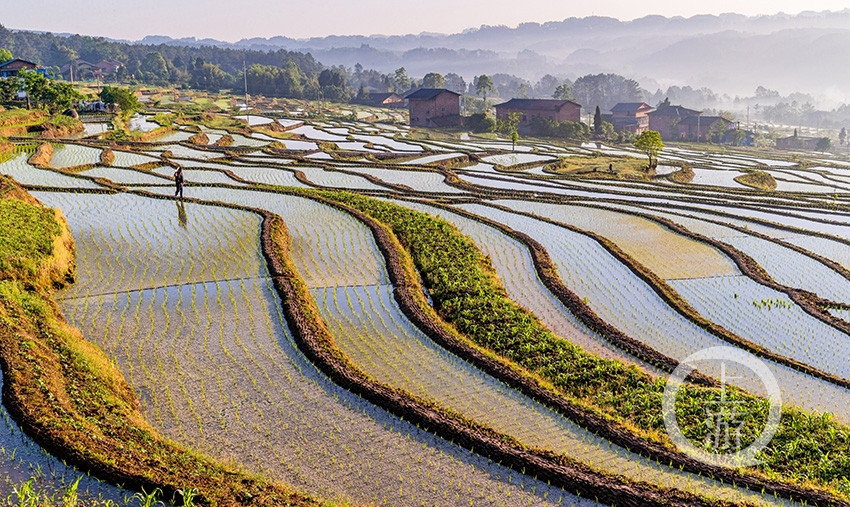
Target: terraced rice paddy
(72,155)
(179,296)
(18,168)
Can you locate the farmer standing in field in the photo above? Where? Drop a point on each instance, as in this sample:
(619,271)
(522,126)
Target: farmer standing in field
(178,181)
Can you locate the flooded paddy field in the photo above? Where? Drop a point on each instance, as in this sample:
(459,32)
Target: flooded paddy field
(179,296)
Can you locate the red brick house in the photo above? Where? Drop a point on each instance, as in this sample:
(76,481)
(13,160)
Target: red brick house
(666,120)
(797,143)
(434,107)
(631,117)
(11,68)
(528,109)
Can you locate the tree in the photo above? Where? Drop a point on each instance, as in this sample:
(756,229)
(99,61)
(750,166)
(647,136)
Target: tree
(5,55)
(842,136)
(510,127)
(155,64)
(597,121)
(483,86)
(563,92)
(480,122)
(433,80)
(649,142)
(400,80)
(121,97)
(607,131)
(823,144)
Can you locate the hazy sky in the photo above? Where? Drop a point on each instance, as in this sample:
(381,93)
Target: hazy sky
(232,20)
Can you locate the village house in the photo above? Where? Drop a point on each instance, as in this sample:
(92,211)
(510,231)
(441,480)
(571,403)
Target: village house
(549,109)
(797,143)
(391,100)
(632,117)
(12,67)
(667,118)
(434,107)
(701,128)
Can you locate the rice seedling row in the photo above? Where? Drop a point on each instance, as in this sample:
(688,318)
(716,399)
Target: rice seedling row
(419,181)
(640,238)
(199,176)
(267,176)
(129,159)
(124,176)
(785,265)
(73,155)
(149,246)
(334,179)
(25,174)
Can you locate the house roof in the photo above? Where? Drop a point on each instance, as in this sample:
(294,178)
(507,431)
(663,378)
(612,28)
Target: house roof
(540,104)
(428,93)
(7,62)
(702,120)
(678,111)
(382,96)
(630,106)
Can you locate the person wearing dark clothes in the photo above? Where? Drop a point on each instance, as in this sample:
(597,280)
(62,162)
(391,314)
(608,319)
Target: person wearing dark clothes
(178,181)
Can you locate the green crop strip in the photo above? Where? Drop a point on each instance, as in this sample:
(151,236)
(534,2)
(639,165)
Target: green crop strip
(810,450)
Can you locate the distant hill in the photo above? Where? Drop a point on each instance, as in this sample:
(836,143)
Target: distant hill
(729,53)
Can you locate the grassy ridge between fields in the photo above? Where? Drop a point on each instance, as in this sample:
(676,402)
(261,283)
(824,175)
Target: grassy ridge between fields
(65,392)
(809,450)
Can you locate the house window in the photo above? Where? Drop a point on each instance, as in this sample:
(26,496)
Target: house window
(523,117)
(551,117)
(428,111)
(443,109)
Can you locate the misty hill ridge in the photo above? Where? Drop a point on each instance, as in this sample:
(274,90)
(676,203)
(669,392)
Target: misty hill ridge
(729,53)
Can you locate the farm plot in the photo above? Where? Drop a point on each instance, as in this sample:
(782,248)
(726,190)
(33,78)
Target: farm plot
(93,129)
(124,176)
(432,158)
(389,142)
(72,155)
(512,159)
(716,178)
(126,242)
(21,459)
(129,158)
(630,305)
(198,176)
(217,369)
(333,179)
(175,136)
(768,318)
(267,176)
(420,181)
(515,268)
(311,132)
(254,120)
(141,123)
(25,174)
(180,151)
(640,238)
(784,265)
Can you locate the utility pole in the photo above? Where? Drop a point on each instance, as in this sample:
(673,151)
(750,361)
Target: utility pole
(245,76)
